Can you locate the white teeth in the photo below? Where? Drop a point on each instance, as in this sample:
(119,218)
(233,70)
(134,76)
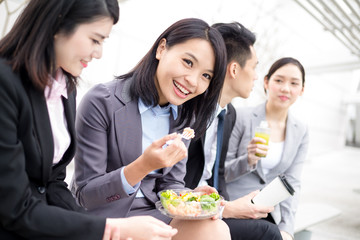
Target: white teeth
(183,90)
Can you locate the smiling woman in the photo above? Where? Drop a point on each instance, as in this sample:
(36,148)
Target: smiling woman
(288,143)
(121,162)
(191,72)
(40,60)
(74,52)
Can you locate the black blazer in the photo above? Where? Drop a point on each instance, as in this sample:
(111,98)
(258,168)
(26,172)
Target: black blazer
(35,202)
(196,158)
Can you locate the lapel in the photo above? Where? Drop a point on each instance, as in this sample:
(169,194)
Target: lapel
(42,130)
(291,143)
(128,128)
(69,110)
(202,158)
(202,141)
(127,123)
(229,123)
(230,118)
(257,116)
(70,115)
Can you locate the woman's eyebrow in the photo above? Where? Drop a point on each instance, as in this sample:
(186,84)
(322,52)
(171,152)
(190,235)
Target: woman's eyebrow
(196,60)
(278,75)
(192,56)
(292,78)
(100,35)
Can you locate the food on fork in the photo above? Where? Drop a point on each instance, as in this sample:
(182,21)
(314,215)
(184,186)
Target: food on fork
(188,133)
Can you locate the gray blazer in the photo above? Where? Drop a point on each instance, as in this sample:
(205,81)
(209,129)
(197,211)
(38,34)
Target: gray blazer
(109,136)
(241,181)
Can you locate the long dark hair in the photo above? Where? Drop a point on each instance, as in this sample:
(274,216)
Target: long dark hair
(284,61)
(29,46)
(200,108)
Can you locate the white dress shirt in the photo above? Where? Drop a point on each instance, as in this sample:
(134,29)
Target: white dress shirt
(273,156)
(210,148)
(60,132)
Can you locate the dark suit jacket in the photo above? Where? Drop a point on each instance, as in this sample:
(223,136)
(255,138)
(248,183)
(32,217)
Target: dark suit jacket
(109,135)
(196,159)
(34,199)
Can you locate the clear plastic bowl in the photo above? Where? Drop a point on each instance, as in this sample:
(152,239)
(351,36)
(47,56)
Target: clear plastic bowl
(188,204)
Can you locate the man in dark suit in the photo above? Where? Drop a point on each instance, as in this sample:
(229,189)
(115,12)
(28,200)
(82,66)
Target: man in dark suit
(204,167)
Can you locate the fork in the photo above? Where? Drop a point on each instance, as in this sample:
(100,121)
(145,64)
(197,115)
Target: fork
(187,134)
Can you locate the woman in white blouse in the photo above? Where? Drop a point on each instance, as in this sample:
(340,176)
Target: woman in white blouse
(288,144)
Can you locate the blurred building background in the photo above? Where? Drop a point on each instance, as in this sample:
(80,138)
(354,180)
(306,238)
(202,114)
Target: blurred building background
(323,35)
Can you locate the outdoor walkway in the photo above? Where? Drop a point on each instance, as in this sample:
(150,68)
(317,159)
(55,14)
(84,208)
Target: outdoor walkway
(334,179)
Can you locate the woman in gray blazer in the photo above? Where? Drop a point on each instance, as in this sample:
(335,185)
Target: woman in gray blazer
(122,126)
(245,172)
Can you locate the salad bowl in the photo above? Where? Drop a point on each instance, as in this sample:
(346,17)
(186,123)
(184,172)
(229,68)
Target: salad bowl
(189,204)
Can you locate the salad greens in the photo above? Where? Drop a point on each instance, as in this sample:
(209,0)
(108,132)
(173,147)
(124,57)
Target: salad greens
(189,202)
(207,202)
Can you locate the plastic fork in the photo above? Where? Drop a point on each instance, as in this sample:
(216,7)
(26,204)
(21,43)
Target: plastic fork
(187,134)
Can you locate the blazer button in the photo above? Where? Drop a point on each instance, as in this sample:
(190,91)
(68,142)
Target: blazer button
(262,181)
(42,190)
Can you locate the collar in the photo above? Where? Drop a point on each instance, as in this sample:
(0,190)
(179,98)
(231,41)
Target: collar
(58,87)
(157,110)
(219,109)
